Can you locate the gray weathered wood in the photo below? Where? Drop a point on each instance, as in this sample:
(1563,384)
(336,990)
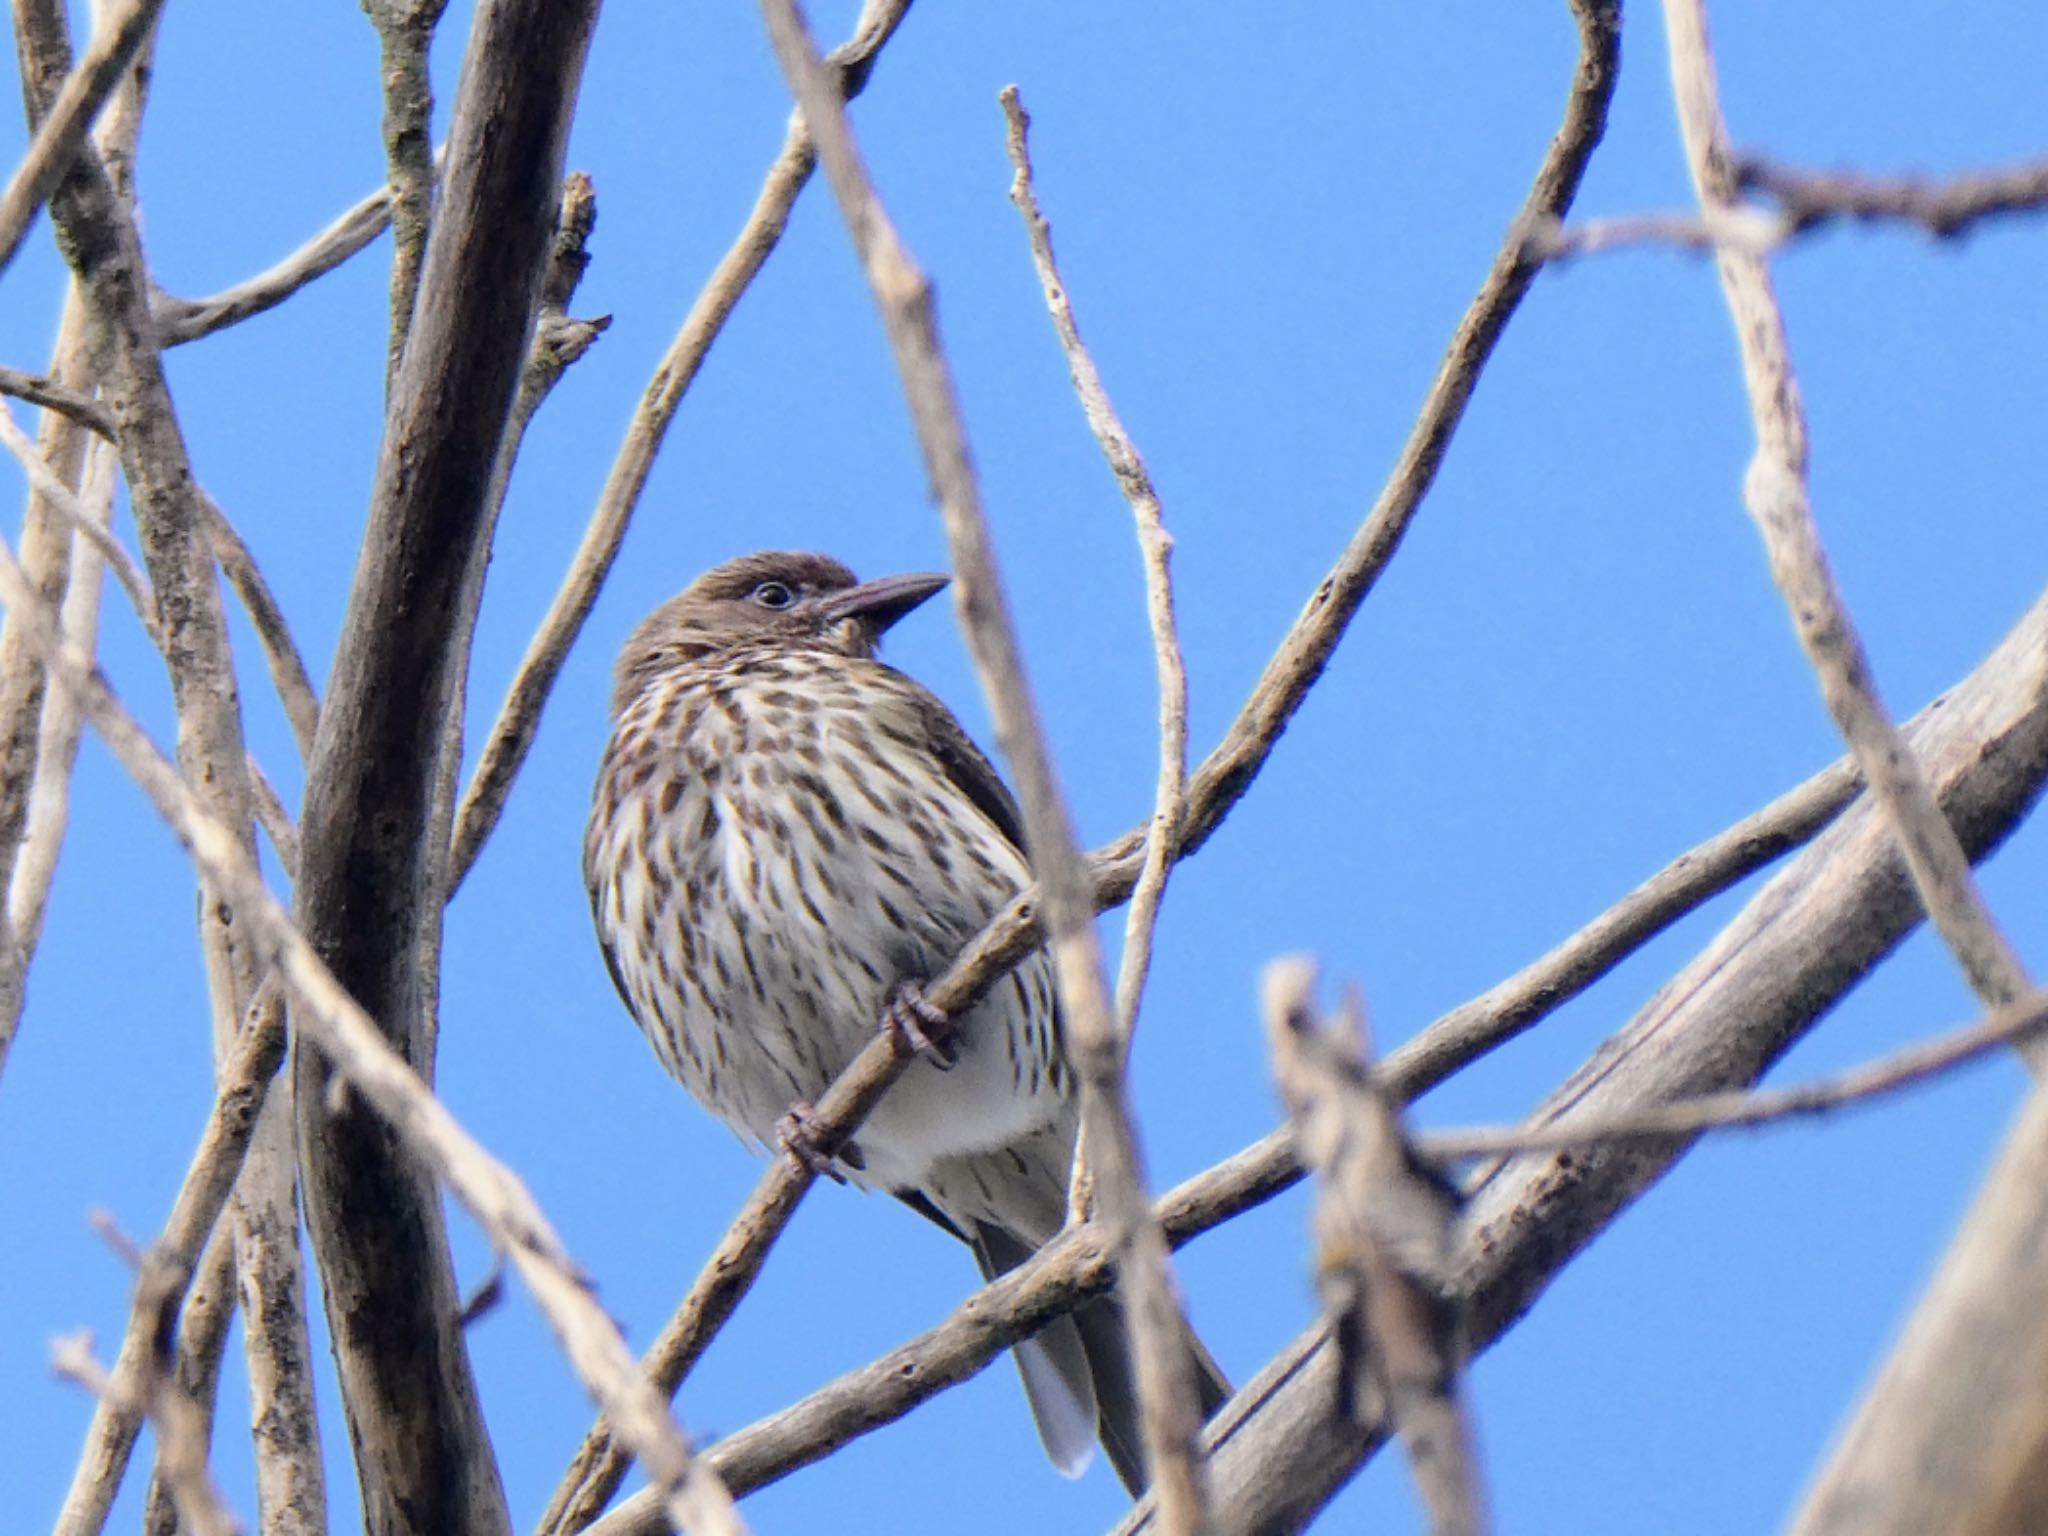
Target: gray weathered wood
(369,879)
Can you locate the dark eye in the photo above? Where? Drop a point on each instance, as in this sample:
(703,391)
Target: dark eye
(772,594)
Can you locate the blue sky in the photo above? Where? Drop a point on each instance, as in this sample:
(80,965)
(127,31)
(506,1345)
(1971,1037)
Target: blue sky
(1576,668)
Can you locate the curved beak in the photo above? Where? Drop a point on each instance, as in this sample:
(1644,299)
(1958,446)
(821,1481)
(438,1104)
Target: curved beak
(883,601)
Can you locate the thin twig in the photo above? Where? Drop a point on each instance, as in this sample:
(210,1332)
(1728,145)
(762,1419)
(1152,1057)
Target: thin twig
(405,34)
(275,820)
(1776,492)
(62,127)
(519,716)
(1908,1068)
(57,732)
(1077,1264)
(1155,544)
(243,1081)
(557,342)
(287,669)
(1684,885)
(180,1431)
(182,320)
(1386,1235)
(1807,201)
(1741,228)
(280,651)
(1944,208)
(52,396)
(74,511)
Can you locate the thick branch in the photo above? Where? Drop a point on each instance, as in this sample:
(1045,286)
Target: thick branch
(1951,1437)
(1278,1452)
(367,873)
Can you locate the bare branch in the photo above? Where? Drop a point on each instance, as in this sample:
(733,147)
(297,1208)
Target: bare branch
(182,320)
(370,876)
(52,396)
(243,1080)
(274,819)
(1945,208)
(1908,1068)
(46,541)
(1951,1438)
(1814,930)
(1776,492)
(180,1428)
(1807,201)
(1741,228)
(49,802)
(280,651)
(405,32)
(556,343)
(1385,1228)
(1155,544)
(66,119)
(82,521)
(519,716)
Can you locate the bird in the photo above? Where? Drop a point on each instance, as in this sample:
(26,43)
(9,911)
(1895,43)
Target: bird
(787,838)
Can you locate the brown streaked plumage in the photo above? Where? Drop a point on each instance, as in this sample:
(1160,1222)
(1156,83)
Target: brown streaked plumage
(786,834)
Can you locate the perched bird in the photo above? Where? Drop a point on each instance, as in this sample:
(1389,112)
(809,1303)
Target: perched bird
(787,838)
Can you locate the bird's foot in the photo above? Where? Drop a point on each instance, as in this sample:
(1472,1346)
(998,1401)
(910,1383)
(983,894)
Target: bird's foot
(908,1016)
(793,1134)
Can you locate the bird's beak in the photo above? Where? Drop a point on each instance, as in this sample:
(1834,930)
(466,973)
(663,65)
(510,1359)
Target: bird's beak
(883,601)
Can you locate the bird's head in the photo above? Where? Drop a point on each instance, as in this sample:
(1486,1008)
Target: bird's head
(780,596)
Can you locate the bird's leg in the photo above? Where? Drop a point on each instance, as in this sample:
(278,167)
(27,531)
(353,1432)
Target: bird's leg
(908,1014)
(793,1134)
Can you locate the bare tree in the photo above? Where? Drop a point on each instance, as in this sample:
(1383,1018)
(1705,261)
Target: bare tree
(326,1005)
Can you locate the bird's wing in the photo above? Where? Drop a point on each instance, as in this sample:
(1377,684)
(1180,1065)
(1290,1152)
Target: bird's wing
(592,882)
(971,771)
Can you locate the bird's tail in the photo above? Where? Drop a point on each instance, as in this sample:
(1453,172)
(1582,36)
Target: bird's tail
(1105,1338)
(1078,1376)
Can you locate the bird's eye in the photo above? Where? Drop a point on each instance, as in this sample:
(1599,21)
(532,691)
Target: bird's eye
(772,594)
